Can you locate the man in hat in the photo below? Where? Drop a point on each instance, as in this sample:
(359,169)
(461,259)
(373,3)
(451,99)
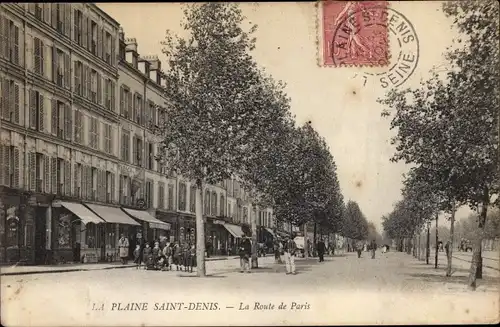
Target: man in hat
(245,254)
(290,248)
(123,246)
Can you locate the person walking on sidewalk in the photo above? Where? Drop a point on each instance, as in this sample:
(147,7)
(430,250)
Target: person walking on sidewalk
(373,248)
(290,248)
(321,248)
(245,254)
(359,248)
(123,246)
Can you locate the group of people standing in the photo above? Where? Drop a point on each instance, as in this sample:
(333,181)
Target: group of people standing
(372,247)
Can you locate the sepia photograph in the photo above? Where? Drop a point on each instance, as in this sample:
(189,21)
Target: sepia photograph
(249,163)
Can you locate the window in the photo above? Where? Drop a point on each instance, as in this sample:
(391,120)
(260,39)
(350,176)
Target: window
(108,145)
(182,196)
(110,187)
(222,205)
(78,26)
(213,203)
(245,214)
(93,86)
(38,56)
(79,127)
(170,202)
(161,195)
(90,234)
(151,115)
(151,156)
(192,199)
(37,113)
(78,78)
(207,203)
(149,193)
(137,151)
(137,113)
(93,133)
(229,213)
(9,100)
(9,166)
(109,94)
(93,38)
(9,40)
(125,149)
(77,180)
(107,48)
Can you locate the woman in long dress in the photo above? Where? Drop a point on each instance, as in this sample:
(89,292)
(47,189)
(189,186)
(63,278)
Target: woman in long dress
(123,245)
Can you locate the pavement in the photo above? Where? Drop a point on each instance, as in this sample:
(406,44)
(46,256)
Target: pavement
(390,289)
(74,267)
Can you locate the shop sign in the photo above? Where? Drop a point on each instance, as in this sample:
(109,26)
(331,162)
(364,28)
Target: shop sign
(219,222)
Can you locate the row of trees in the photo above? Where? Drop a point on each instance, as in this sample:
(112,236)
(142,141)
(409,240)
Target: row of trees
(448,130)
(227,117)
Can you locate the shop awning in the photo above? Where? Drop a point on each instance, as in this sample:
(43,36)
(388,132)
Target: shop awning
(270,231)
(235,230)
(85,215)
(145,216)
(112,215)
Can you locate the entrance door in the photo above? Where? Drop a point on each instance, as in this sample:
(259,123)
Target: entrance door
(40,242)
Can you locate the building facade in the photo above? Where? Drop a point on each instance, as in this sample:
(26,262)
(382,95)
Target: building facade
(78,106)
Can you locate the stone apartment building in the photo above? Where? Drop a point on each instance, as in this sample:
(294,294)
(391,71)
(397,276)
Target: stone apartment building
(77,168)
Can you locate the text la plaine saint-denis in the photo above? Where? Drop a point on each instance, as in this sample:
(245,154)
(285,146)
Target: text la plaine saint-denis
(198,306)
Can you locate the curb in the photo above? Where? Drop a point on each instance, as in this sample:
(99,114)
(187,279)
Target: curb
(60,271)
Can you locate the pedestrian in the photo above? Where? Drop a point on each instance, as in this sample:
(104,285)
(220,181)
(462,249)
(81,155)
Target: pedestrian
(176,254)
(192,257)
(184,255)
(147,256)
(245,253)
(373,248)
(123,246)
(277,254)
(321,248)
(359,248)
(167,252)
(290,248)
(137,256)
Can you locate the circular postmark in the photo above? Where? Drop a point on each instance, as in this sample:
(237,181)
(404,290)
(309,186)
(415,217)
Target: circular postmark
(379,38)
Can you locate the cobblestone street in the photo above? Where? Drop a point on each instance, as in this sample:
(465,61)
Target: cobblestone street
(392,287)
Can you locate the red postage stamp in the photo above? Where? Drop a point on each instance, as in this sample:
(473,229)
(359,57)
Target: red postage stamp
(355,33)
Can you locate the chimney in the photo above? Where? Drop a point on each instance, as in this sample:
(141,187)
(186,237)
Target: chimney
(154,66)
(131,51)
(144,66)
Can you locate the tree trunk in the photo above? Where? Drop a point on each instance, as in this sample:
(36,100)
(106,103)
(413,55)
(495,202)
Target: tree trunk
(436,256)
(449,254)
(419,249)
(200,232)
(306,247)
(314,240)
(428,245)
(253,217)
(476,264)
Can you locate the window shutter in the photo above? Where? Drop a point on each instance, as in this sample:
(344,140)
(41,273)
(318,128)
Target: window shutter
(112,186)
(89,82)
(4,107)
(46,12)
(16,108)
(53,174)
(84,81)
(67,19)
(89,34)
(122,101)
(113,53)
(46,168)
(54,15)
(76,27)
(112,85)
(83,181)
(3,170)
(99,90)
(16,168)
(130,104)
(3,36)
(89,182)
(41,113)
(98,41)
(146,159)
(67,71)
(84,31)
(54,64)
(67,177)
(134,150)
(32,109)
(53,116)
(15,45)
(77,78)
(32,171)
(36,56)
(102,42)
(69,121)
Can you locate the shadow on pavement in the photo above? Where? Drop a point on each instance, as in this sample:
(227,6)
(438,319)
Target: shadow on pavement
(487,281)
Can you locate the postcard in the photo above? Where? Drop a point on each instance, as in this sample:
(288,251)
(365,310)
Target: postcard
(237,164)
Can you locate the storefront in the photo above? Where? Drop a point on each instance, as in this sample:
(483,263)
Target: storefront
(172,219)
(187,228)
(234,238)
(153,229)
(81,235)
(217,237)
(117,223)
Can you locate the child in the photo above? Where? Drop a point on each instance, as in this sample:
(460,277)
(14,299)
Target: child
(167,252)
(147,256)
(137,256)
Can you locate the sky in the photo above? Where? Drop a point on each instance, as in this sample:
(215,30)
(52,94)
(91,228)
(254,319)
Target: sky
(340,107)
